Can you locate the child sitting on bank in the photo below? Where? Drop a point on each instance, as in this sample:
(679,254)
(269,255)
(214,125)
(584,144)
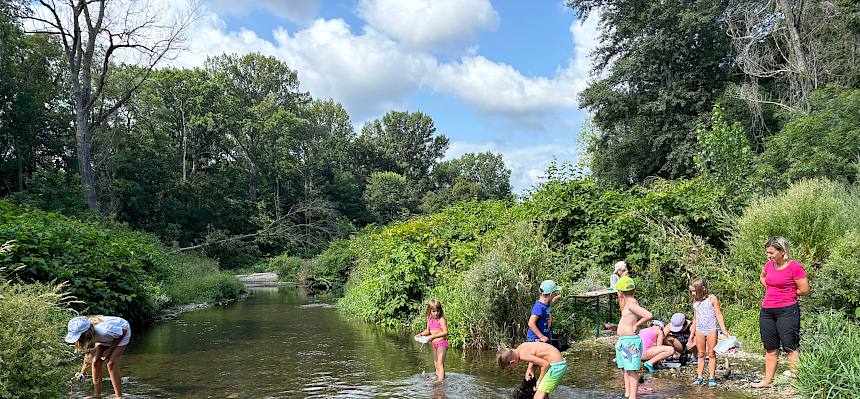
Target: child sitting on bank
(628,350)
(620,271)
(678,336)
(437,331)
(706,316)
(547,357)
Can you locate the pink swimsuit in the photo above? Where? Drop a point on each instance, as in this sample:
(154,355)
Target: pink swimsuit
(433,324)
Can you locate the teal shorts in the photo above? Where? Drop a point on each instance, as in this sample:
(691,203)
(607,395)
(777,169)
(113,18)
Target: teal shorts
(628,352)
(553,376)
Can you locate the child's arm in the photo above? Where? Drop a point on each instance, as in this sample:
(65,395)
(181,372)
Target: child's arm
(555,299)
(532,359)
(533,326)
(719,314)
(425,332)
(106,354)
(692,340)
(443,332)
(643,314)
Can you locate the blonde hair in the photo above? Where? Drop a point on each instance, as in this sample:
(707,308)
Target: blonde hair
(505,356)
(700,288)
(86,342)
(778,243)
(435,305)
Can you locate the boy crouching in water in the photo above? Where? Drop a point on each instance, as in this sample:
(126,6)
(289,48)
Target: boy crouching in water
(628,350)
(551,362)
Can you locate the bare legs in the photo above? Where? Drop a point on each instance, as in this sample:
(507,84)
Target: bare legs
(113,370)
(439,361)
(631,383)
(770,360)
(657,353)
(705,346)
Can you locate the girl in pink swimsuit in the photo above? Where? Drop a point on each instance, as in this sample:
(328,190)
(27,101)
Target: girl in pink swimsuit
(437,330)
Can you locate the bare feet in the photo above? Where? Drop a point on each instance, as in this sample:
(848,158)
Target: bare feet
(761,384)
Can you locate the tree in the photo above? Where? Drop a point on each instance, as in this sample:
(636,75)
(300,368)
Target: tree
(389,197)
(471,176)
(95,34)
(660,65)
(796,46)
(404,143)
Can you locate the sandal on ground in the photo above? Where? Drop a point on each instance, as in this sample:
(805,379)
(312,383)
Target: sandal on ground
(698,381)
(712,382)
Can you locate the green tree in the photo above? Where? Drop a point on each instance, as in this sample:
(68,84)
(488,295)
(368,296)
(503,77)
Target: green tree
(659,65)
(388,197)
(480,176)
(404,143)
(724,152)
(823,143)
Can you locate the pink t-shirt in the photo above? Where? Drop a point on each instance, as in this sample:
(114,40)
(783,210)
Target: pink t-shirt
(780,287)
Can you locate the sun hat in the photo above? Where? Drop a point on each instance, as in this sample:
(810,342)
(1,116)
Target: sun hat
(677,323)
(548,287)
(77,326)
(620,265)
(625,284)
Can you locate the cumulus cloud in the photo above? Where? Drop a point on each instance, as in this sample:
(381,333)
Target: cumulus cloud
(295,10)
(429,24)
(499,89)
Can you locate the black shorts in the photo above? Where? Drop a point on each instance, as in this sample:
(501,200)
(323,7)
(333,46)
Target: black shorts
(780,327)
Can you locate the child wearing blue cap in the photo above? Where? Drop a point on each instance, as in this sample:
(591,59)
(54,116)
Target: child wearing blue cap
(100,338)
(540,321)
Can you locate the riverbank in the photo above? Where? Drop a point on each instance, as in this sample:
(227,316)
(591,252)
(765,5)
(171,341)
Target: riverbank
(745,368)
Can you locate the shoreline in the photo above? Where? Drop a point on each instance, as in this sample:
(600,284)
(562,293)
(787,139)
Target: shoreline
(738,378)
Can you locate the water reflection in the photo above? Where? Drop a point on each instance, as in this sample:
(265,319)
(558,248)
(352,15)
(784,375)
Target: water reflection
(287,343)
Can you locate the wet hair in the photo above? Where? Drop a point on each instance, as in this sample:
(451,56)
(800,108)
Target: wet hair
(505,356)
(778,243)
(435,304)
(700,288)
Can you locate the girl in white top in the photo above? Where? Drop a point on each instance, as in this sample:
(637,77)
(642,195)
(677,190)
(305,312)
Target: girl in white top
(100,338)
(707,316)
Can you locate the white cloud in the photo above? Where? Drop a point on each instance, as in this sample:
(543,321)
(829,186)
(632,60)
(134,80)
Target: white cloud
(429,24)
(294,10)
(499,89)
(527,164)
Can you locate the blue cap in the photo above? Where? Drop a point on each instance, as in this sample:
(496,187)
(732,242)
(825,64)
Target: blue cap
(77,326)
(548,287)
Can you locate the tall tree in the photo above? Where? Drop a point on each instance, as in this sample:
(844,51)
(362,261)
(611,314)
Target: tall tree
(96,34)
(659,66)
(479,176)
(404,143)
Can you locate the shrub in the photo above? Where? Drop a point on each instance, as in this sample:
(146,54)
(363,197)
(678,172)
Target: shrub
(333,264)
(812,215)
(112,271)
(192,278)
(491,302)
(838,282)
(286,266)
(397,266)
(829,364)
(34,357)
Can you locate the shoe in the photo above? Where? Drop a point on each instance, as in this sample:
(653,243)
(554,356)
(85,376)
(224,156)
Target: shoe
(649,367)
(712,382)
(698,381)
(695,360)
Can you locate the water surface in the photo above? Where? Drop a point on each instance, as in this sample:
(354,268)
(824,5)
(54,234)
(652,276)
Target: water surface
(284,343)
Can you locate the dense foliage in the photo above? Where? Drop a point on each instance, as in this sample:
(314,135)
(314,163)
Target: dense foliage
(35,359)
(111,271)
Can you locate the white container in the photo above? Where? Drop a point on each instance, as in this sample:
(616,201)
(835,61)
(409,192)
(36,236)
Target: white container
(727,345)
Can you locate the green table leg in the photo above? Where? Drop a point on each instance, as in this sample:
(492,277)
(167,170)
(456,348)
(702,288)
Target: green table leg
(597,317)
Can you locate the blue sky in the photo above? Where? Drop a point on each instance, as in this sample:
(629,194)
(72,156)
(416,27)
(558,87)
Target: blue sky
(500,76)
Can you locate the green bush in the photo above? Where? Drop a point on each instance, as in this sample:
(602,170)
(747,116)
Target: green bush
(333,264)
(838,282)
(112,271)
(288,267)
(397,266)
(35,360)
(193,278)
(491,302)
(812,215)
(829,364)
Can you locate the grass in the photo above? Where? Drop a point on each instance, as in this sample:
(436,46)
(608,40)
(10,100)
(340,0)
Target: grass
(192,278)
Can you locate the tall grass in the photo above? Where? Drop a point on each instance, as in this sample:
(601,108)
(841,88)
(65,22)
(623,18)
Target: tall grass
(192,278)
(829,364)
(34,360)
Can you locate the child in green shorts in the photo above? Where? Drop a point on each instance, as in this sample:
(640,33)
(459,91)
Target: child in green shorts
(551,362)
(628,350)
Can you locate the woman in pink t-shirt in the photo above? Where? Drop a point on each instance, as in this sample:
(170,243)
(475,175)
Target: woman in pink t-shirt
(784,280)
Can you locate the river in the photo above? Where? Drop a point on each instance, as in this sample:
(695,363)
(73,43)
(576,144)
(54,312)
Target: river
(285,343)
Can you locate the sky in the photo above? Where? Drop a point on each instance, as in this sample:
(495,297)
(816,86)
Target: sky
(499,76)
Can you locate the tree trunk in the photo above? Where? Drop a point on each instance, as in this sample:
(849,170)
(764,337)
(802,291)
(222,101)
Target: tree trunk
(252,182)
(797,51)
(84,141)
